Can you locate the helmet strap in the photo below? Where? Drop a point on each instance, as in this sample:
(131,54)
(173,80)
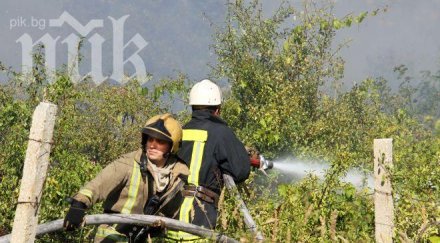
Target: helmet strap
(217,111)
(143,161)
(167,157)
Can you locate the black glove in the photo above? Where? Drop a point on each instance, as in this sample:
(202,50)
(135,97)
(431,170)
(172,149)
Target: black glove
(75,215)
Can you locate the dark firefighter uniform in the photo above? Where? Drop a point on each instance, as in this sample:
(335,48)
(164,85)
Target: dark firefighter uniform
(209,148)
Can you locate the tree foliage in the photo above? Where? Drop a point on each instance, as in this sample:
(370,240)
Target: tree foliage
(277,68)
(94,126)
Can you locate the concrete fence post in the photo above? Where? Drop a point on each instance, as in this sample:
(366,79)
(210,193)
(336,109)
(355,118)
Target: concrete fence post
(383,198)
(34,173)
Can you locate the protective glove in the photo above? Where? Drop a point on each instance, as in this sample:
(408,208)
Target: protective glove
(252,152)
(75,215)
(254,156)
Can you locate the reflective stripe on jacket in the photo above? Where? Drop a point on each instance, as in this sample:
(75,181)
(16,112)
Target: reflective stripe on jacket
(209,148)
(120,185)
(124,189)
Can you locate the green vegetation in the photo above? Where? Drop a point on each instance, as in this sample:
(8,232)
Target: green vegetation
(94,125)
(277,68)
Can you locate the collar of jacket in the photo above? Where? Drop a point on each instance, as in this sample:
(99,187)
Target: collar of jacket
(205,114)
(137,156)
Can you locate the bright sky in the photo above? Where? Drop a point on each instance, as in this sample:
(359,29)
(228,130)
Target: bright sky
(178,34)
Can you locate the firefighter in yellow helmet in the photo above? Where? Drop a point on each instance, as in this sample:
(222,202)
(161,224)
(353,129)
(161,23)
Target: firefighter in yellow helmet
(148,181)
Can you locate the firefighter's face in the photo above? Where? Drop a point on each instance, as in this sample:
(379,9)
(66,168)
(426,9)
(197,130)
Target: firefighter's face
(156,149)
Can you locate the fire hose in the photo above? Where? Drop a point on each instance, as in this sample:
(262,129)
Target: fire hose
(138,219)
(151,220)
(248,220)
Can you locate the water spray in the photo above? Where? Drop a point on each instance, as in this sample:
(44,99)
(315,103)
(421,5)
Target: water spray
(297,169)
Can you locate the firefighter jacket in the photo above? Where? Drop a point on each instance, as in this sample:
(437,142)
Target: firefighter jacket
(124,189)
(209,148)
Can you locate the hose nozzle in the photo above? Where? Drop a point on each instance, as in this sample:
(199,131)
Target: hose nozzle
(265,164)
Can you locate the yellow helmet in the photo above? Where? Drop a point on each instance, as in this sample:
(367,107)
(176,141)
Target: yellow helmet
(163,127)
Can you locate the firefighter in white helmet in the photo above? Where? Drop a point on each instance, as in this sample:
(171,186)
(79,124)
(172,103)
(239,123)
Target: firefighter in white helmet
(209,148)
(149,180)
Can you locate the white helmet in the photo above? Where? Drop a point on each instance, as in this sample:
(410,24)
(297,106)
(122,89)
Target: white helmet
(205,92)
